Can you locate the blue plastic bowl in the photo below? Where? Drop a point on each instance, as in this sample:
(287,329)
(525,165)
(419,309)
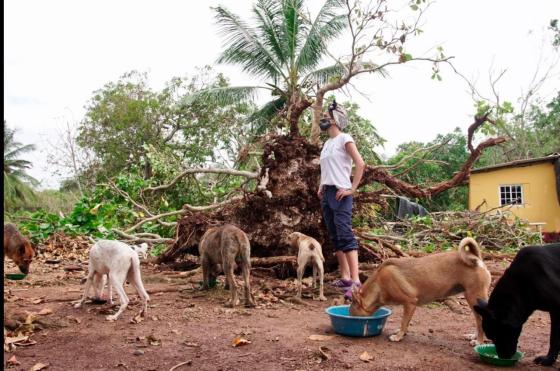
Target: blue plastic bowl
(345,324)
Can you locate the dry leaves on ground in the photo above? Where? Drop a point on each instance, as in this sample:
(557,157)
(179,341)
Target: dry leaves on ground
(239,341)
(13,361)
(39,366)
(366,357)
(321,337)
(324,353)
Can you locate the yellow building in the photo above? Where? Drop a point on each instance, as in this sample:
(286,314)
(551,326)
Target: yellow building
(528,188)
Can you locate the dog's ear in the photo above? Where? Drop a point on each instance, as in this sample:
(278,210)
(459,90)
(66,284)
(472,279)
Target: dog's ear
(481,307)
(22,249)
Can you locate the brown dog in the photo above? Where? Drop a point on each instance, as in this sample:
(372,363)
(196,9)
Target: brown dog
(226,246)
(416,281)
(309,252)
(17,248)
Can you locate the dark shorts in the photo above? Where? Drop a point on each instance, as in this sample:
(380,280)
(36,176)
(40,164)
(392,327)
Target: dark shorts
(338,219)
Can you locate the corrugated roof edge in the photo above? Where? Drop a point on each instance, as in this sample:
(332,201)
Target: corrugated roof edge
(518,163)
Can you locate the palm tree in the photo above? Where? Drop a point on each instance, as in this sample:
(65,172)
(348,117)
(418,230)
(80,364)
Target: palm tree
(283,46)
(17,183)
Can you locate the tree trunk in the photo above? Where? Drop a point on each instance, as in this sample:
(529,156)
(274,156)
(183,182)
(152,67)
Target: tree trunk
(317,108)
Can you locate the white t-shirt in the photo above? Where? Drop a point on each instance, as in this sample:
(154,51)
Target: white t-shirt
(336,163)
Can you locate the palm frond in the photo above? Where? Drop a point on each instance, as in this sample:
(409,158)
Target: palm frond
(268,13)
(19,150)
(335,71)
(327,25)
(244,47)
(291,10)
(324,75)
(15,190)
(260,119)
(224,95)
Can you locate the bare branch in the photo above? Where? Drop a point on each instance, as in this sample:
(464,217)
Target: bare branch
(424,150)
(246,174)
(133,238)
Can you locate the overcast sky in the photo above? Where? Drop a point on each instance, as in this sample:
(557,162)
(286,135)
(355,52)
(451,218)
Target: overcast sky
(56,53)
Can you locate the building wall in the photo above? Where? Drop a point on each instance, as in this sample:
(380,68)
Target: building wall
(539,192)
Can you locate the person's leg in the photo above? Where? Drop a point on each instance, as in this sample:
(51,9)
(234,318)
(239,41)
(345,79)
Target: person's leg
(343,267)
(352,262)
(346,241)
(328,217)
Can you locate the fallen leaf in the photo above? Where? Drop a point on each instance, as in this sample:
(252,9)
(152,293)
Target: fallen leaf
(27,343)
(13,361)
(191,344)
(137,319)
(321,337)
(366,357)
(39,366)
(31,317)
(239,341)
(15,339)
(152,340)
(323,353)
(72,318)
(176,332)
(37,301)
(45,311)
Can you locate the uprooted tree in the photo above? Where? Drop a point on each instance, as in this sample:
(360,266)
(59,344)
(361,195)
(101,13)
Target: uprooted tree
(286,46)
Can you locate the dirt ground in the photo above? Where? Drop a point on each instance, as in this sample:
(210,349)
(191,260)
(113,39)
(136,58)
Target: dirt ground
(193,328)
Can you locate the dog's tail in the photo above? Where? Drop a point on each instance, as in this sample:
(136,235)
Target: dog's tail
(135,265)
(469,251)
(321,255)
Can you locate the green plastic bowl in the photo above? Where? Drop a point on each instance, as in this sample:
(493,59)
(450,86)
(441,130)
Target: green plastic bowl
(487,353)
(15,276)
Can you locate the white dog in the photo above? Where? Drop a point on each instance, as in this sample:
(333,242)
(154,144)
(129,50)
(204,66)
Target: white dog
(141,250)
(309,252)
(120,263)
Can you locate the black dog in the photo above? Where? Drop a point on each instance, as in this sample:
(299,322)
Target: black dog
(532,282)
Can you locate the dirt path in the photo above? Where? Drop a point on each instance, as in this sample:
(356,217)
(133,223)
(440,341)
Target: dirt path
(184,325)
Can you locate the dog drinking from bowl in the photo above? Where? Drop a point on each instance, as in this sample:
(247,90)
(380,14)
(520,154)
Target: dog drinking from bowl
(416,281)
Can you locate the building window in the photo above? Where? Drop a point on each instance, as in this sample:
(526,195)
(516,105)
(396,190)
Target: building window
(511,195)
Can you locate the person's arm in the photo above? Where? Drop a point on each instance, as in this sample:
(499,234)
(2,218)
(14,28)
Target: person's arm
(358,173)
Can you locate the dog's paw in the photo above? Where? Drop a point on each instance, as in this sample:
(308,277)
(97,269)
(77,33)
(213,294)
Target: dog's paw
(111,318)
(320,298)
(396,337)
(77,305)
(544,361)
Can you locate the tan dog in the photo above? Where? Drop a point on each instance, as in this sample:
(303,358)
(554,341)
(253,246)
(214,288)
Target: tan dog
(17,248)
(226,246)
(309,252)
(416,281)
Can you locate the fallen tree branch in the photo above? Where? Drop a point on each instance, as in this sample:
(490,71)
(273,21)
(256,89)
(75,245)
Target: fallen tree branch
(381,175)
(133,238)
(380,241)
(155,218)
(273,260)
(424,150)
(212,206)
(246,174)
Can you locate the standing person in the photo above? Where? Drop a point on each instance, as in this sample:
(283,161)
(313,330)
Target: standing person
(335,193)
